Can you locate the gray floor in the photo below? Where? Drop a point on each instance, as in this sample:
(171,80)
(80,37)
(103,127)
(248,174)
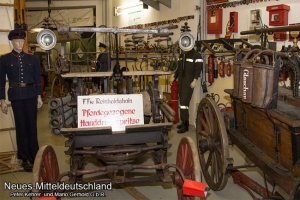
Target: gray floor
(151,191)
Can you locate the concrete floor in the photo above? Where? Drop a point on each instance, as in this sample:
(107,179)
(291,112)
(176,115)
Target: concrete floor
(151,191)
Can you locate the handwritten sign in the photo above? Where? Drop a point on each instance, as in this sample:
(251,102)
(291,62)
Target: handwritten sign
(116,111)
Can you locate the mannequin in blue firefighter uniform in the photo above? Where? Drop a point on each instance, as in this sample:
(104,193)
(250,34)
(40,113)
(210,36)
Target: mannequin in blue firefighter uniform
(187,79)
(24,92)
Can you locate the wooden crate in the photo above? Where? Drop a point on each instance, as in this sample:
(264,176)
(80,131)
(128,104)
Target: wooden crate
(9,162)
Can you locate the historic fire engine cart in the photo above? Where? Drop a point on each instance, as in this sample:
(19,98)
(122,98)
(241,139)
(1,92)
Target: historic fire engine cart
(264,123)
(115,149)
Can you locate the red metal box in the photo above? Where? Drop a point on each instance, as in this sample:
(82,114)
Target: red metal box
(278,14)
(214,21)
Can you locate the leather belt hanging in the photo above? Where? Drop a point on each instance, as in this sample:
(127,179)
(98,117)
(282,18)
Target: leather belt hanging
(20,84)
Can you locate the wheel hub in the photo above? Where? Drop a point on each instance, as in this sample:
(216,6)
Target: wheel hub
(207,144)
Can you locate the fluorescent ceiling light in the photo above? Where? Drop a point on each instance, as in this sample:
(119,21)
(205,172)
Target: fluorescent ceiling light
(120,9)
(36,30)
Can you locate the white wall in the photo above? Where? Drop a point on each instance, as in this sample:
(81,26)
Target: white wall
(179,8)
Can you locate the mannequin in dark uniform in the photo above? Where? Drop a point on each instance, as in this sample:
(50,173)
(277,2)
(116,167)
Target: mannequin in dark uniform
(24,92)
(101,65)
(187,79)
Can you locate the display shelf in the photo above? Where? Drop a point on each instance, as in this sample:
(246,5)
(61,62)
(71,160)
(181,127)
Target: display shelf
(87,74)
(146,73)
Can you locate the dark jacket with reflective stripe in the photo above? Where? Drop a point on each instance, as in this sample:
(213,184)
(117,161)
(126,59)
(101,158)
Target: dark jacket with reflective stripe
(192,69)
(20,68)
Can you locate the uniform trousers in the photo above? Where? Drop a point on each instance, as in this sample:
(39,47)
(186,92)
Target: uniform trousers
(25,114)
(185,94)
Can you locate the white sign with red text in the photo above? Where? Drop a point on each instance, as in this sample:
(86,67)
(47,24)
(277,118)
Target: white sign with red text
(117,111)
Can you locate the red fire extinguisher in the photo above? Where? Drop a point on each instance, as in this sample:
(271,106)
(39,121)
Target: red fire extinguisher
(211,68)
(228,72)
(222,68)
(173,103)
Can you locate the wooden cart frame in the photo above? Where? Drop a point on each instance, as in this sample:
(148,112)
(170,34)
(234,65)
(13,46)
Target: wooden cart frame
(116,149)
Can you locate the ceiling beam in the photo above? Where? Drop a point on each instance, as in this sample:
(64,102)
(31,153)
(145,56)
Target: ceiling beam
(166,2)
(57,8)
(153,4)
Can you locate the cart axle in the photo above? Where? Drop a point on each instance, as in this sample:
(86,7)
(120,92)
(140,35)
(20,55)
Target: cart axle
(210,145)
(248,184)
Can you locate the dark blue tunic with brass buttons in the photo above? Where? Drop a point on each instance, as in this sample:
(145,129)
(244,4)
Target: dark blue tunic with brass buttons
(21,68)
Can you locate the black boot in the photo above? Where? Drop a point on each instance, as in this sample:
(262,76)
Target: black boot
(180,125)
(27,165)
(184,128)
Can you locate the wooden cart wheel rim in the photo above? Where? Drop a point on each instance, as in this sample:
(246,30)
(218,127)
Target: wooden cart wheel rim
(45,153)
(54,87)
(213,112)
(188,147)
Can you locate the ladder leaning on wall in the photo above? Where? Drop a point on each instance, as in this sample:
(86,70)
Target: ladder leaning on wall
(8,148)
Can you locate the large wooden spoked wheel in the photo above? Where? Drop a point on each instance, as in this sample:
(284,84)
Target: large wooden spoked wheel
(212,143)
(188,161)
(45,168)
